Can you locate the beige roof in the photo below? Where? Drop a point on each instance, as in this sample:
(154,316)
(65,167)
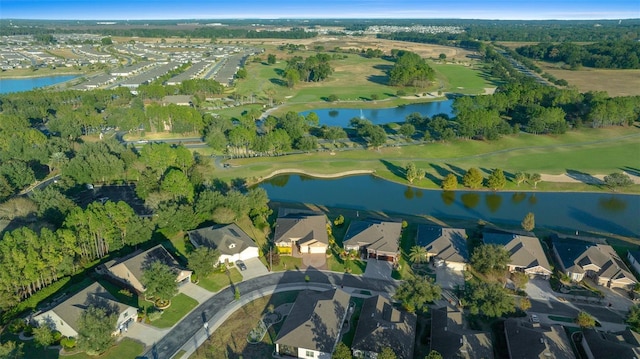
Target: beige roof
(449,244)
(305,227)
(94,295)
(315,320)
(452,339)
(525,250)
(381,325)
(381,236)
(526,341)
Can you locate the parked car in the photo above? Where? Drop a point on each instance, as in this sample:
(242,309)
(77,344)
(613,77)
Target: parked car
(535,319)
(240,264)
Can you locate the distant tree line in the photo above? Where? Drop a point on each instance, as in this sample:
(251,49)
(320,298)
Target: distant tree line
(622,54)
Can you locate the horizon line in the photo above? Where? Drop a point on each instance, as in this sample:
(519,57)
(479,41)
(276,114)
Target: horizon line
(330,18)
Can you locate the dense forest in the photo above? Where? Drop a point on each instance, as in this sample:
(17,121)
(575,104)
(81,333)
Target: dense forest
(624,54)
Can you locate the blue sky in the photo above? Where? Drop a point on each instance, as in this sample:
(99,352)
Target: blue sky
(266,9)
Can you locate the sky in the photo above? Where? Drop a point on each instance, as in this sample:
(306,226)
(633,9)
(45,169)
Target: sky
(275,9)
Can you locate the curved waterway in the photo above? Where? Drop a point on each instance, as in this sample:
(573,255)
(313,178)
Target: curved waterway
(575,211)
(378,116)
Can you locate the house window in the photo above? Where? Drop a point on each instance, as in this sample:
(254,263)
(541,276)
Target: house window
(309,354)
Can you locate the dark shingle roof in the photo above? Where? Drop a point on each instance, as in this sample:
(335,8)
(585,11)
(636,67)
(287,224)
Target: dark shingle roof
(315,320)
(374,234)
(449,244)
(451,339)
(528,342)
(229,239)
(617,345)
(381,325)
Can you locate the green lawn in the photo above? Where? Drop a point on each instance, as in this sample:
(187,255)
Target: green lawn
(461,79)
(216,281)
(126,348)
(181,304)
(347,338)
(30,349)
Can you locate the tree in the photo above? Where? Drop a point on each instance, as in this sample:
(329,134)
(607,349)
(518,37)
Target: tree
(342,352)
(412,173)
(496,179)
(176,183)
(433,355)
(450,182)
(94,329)
(418,254)
(11,350)
(202,260)
(490,258)
(584,320)
(387,353)
(339,220)
(535,178)
(520,279)
(529,222)
(525,304)
(520,177)
(488,299)
(618,179)
(159,281)
(271,59)
(43,336)
(472,178)
(442,56)
(241,73)
(415,293)
(633,318)
(407,130)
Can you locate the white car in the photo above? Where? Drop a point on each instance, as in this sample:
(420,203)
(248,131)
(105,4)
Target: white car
(535,319)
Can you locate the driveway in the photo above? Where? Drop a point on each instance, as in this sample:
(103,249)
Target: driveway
(255,268)
(315,260)
(378,269)
(144,333)
(196,292)
(449,278)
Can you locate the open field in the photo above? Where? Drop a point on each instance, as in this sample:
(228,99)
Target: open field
(592,151)
(614,82)
(463,79)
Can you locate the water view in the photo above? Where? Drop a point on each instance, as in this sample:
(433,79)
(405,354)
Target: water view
(379,116)
(26,84)
(599,212)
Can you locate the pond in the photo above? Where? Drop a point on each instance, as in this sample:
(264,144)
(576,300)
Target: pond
(598,212)
(27,84)
(342,116)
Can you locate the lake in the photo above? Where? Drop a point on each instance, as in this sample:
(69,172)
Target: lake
(342,116)
(26,84)
(598,212)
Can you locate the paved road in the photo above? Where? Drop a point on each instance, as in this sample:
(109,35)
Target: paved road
(192,326)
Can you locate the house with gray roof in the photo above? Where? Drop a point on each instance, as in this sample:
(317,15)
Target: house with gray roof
(375,239)
(129,270)
(65,316)
(526,340)
(178,100)
(597,344)
(382,325)
(444,245)
(634,260)
(230,240)
(304,230)
(525,251)
(579,257)
(451,337)
(312,328)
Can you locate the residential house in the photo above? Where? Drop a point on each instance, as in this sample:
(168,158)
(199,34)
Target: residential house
(579,257)
(381,325)
(128,270)
(526,340)
(447,246)
(634,259)
(312,328)
(597,344)
(374,239)
(451,337)
(302,231)
(65,316)
(231,241)
(524,249)
(178,100)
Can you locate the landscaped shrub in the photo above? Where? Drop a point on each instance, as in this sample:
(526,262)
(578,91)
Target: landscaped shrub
(57,336)
(68,342)
(28,331)
(16,326)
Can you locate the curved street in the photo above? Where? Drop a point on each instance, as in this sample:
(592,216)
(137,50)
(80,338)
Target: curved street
(191,331)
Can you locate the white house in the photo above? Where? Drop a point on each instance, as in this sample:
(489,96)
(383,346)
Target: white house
(64,316)
(231,241)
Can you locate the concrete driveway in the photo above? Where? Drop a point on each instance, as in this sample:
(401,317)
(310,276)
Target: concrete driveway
(196,292)
(378,269)
(449,278)
(255,268)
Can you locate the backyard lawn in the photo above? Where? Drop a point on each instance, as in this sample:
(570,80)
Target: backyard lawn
(126,348)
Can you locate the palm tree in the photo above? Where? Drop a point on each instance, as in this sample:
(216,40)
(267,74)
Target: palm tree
(418,254)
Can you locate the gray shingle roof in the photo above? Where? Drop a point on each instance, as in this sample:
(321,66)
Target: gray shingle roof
(303,226)
(451,339)
(528,342)
(71,309)
(382,236)
(449,244)
(229,239)
(617,345)
(137,262)
(381,325)
(315,320)
(525,250)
